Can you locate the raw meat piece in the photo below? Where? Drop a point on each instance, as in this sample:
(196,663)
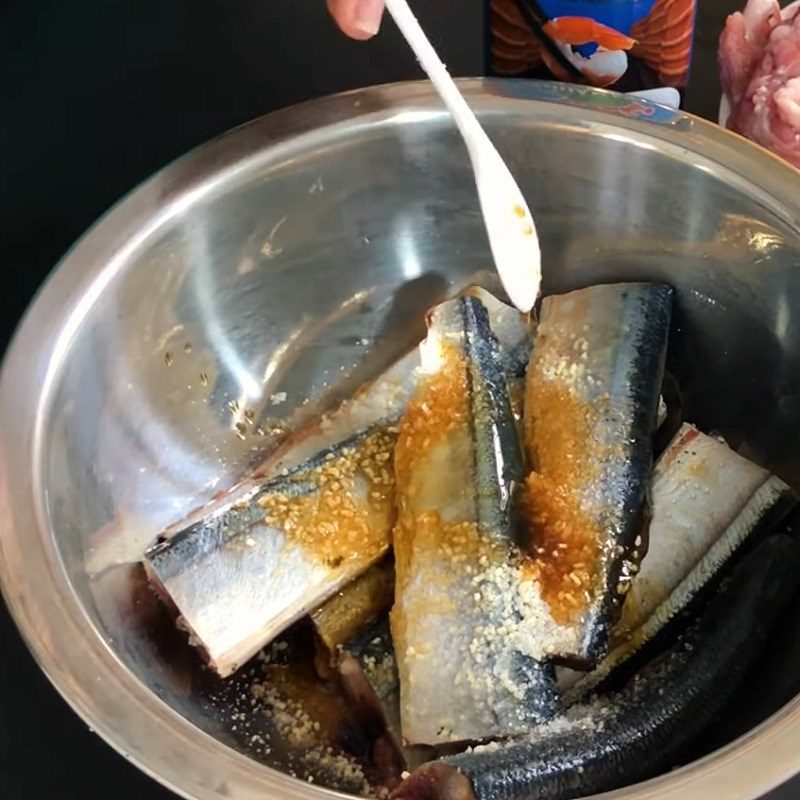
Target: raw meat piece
(742,43)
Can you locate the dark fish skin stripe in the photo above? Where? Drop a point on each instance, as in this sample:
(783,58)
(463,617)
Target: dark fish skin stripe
(652,719)
(494,429)
(627,327)
(771,519)
(516,362)
(648,321)
(493,425)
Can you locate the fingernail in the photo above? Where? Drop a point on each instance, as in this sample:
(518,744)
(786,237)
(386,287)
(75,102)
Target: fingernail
(368,15)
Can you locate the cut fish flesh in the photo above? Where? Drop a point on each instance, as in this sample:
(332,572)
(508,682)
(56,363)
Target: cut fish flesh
(457,462)
(591,404)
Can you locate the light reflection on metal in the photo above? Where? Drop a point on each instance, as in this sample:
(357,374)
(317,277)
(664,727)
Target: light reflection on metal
(205,287)
(407,251)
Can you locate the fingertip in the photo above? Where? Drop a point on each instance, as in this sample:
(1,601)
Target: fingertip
(358,19)
(355,32)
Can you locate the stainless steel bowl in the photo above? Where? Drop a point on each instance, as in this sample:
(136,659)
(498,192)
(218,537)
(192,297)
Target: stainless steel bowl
(285,257)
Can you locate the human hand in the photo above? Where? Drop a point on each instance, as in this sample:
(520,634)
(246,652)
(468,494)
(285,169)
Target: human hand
(359,19)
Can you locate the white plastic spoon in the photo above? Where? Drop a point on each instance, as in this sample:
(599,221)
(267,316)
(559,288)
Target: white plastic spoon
(509,224)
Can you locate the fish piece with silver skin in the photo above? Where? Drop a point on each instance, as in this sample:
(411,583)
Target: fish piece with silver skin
(236,581)
(639,732)
(458,461)
(707,502)
(242,575)
(591,403)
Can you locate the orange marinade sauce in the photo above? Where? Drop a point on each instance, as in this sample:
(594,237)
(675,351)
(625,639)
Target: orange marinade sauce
(564,539)
(335,522)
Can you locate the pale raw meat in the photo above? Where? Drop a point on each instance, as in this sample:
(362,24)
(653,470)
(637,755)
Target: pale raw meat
(742,44)
(786,103)
(767,109)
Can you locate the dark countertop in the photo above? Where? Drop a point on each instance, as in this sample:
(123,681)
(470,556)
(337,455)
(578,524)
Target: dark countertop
(94,97)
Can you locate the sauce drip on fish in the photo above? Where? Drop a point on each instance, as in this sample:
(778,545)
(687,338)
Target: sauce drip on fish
(439,407)
(562,539)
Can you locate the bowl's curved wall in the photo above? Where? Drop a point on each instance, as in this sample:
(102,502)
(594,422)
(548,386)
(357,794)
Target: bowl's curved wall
(297,255)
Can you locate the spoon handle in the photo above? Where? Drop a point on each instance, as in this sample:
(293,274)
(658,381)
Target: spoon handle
(467,122)
(509,224)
